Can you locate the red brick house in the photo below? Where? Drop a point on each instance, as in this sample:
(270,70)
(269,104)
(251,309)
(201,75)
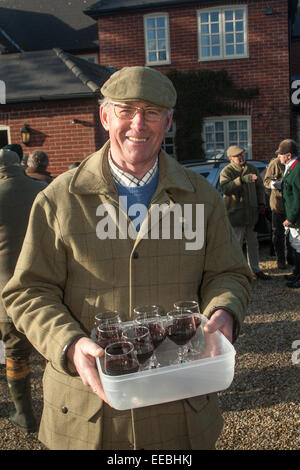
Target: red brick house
(250,39)
(55,95)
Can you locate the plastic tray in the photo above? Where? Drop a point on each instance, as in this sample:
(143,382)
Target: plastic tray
(210,370)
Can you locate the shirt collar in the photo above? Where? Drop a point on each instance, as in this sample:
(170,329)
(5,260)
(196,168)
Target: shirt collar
(126,179)
(290,164)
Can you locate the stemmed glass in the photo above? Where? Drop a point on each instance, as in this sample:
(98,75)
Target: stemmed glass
(192,306)
(181,328)
(148,316)
(120,358)
(140,337)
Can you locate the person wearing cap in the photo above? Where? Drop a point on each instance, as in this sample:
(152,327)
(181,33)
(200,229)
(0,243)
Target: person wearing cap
(72,266)
(272,181)
(36,166)
(244,197)
(288,156)
(17,148)
(17,193)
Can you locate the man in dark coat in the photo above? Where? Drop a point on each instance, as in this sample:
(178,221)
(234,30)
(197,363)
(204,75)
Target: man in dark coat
(17,193)
(287,152)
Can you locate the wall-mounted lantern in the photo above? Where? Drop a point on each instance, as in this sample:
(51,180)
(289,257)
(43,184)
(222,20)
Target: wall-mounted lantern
(25,134)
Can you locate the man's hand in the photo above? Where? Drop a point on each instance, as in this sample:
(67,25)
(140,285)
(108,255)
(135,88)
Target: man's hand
(220,320)
(287,223)
(83,353)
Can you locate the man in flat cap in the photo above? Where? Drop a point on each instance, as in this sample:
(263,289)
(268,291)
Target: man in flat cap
(288,156)
(17,193)
(244,197)
(90,247)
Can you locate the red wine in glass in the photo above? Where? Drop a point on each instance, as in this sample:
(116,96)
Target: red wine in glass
(107,334)
(181,329)
(140,337)
(120,359)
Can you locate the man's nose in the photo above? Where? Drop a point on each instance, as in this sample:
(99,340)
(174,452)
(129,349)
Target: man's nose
(138,120)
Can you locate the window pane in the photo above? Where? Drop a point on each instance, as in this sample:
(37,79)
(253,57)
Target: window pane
(151,45)
(239,26)
(150,23)
(215,39)
(209,127)
(229,27)
(239,14)
(205,40)
(228,15)
(239,37)
(161,34)
(219,137)
(205,51)
(205,29)
(162,44)
(229,50)
(240,49)
(161,22)
(232,126)
(204,17)
(215,28)
(244,136)
(216,51)
(243,125)
(219,126)
(152,57)
(233,136)
(151,34)
(214,16)
(162,55)
(229,39)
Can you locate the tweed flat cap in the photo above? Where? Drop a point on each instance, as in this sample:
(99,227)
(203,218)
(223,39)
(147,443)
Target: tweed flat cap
(287,146)
(234,151)
(8,158)
(140,84)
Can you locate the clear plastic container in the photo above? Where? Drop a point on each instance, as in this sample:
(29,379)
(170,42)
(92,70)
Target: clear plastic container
(210,370)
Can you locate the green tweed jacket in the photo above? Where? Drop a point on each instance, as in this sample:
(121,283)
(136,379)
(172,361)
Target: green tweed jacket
(242,197)
(66,274)
(291,194)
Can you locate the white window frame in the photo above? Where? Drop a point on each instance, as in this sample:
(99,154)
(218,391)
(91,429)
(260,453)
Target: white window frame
(223,55)
(7,129)
(167,60)
(227,141)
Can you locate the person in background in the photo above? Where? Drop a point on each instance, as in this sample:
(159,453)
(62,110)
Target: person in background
(288,155)
(272,181)
(68,264)
(17,193)
(37,164)
(17,148)
(244,197)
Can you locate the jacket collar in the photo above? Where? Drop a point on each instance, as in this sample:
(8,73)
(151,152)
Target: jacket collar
(11,171)
(93,176)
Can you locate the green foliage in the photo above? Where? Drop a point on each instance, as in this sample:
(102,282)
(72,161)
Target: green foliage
(201,94)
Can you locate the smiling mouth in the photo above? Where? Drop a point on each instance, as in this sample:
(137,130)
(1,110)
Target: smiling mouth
(136,140)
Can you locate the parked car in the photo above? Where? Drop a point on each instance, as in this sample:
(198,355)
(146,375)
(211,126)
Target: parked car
(211,170)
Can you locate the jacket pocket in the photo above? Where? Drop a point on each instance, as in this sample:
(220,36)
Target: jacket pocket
(72,413)
(204,421)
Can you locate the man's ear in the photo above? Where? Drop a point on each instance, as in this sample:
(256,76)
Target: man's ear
(104,117)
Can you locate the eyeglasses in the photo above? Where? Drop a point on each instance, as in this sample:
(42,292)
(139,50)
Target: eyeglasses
(127,112)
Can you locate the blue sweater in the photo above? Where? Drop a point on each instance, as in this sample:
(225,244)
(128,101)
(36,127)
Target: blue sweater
(138,195)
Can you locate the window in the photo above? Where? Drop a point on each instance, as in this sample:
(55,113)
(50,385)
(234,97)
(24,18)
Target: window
(220,133)
(168,143)
(157,44)
(222,33)
(4,136)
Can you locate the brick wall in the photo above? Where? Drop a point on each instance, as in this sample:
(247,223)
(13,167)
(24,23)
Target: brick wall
(53,132)
(122,44)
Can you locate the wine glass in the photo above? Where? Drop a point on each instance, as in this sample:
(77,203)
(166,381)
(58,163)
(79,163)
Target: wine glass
(108,333)
(120,358)
(154,322)
(139,336)
(106,317)
(192,306)
(181,328)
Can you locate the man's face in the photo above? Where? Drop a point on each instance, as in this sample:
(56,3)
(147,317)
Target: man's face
(134,143)
(238,159)
(284,158)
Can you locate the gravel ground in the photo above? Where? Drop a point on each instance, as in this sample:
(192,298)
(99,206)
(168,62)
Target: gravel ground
(261,408)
